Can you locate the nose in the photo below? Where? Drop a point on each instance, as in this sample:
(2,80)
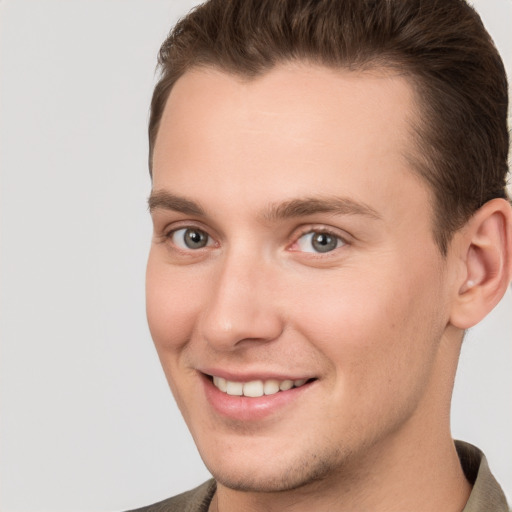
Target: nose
(242,306)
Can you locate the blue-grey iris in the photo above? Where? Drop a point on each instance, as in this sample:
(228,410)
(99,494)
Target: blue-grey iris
(195,238)
(323,242)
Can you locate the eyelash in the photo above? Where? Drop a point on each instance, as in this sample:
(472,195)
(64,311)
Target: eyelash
(340,241)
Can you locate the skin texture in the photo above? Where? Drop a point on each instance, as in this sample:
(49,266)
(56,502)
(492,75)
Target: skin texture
(372,321)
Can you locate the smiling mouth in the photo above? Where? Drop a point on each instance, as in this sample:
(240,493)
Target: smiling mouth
(256,388)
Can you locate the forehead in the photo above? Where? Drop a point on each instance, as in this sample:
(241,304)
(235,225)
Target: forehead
(291,131)
(288,95)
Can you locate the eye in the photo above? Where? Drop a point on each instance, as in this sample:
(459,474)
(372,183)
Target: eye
(190,238)
(319,242)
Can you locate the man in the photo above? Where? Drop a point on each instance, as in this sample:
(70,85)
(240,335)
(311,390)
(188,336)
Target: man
(330,215)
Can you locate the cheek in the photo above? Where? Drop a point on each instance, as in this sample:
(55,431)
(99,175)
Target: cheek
(172,303)
(376,330)
(172,306)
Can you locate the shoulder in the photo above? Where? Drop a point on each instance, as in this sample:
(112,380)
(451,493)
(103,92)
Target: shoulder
(195,500)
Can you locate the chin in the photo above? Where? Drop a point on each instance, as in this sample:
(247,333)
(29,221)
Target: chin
(277,475)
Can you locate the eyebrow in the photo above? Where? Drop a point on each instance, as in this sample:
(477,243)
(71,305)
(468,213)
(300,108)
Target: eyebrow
(164,200)
(310,205)
(300,207)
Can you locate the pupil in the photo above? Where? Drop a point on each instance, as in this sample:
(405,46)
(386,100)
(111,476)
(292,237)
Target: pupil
(322,242)
(195,239)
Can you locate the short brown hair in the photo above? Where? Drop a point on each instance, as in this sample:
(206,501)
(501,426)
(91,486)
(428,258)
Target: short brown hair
(461,134)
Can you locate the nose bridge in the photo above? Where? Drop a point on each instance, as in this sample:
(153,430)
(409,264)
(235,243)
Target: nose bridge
(240,305)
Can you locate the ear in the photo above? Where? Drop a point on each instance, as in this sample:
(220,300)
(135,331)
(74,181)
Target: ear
(486,255)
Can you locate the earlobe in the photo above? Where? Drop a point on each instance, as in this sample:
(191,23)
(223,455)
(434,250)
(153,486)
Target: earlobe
(487,259)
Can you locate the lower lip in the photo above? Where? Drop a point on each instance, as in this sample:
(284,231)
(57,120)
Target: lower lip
(243,408)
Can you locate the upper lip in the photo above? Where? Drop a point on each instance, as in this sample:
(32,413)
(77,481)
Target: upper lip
(253,375)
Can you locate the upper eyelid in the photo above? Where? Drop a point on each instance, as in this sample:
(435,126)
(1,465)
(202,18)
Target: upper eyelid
(171,227)
(319,228)
(161,216)
(173,230)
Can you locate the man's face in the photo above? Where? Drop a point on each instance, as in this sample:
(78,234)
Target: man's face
(293,242)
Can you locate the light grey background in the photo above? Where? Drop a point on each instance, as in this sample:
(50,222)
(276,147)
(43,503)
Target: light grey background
(87,422)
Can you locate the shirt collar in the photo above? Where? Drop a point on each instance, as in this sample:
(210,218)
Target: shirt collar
(487,494)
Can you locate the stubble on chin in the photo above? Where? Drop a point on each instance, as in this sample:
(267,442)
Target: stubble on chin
(308,471)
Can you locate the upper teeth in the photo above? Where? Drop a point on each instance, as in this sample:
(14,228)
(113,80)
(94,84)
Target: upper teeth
(255,388)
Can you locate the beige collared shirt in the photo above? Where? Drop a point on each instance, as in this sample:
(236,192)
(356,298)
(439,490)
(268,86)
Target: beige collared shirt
(486,495)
